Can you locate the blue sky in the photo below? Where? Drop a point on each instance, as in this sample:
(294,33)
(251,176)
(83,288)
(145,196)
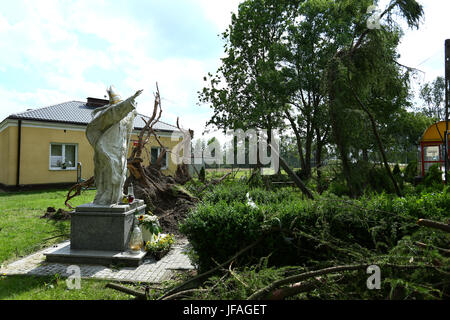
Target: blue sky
(55,51)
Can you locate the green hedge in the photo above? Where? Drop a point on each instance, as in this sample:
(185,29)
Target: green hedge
(224,224)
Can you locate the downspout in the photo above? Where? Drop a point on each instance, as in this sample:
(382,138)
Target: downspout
(19,141)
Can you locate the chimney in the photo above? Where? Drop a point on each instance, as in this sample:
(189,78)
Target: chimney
(96,102)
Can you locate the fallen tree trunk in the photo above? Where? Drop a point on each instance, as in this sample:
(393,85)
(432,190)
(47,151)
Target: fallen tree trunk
(434,225)
(292,174)
(426,246)
(138,294)
(194,282)
(264,292)
(292,290)
(377,138)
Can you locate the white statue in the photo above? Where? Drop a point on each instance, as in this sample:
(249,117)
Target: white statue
(109,133)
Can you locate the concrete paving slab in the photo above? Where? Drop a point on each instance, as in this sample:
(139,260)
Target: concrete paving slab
(150,271)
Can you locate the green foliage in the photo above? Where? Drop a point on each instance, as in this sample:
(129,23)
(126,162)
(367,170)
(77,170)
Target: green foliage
(433,94)
(376,229)
(160,246)
(312,230)
(339,188)
(236,192)
(367,177)
(398,176)
(202,174)
(433,176)
(396,171)
(411,171)
(219,230)
(256,180)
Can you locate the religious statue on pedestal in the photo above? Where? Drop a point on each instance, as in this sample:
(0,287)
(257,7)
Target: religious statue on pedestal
(109,133)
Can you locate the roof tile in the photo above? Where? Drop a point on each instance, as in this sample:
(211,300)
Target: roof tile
(78,112)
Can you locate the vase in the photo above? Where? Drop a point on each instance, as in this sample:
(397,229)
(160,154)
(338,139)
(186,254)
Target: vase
(147,235)
(136,243)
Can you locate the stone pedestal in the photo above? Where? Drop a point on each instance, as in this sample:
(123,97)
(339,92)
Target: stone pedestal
(100,235)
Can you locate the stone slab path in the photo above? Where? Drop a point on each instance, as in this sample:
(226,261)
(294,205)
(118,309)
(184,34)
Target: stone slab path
(150,271)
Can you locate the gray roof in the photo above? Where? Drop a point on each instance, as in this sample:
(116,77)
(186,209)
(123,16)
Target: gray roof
(77,112)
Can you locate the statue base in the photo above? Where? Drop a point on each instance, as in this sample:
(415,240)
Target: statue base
(100,235)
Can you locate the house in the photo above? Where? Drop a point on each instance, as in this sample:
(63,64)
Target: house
(45,146)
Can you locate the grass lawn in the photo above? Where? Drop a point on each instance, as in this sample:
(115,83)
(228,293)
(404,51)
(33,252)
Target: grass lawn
(22,231)
(55,288)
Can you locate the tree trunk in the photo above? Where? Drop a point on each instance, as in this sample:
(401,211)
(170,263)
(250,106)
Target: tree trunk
(309,138)
(336,126)
(379,143)
(365,155)
(293,176)
(299,141)
(319,147)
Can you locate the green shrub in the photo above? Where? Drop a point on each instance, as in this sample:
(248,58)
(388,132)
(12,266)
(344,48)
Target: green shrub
(379,180)
(303,231)
(237,192)
(220,229)
(410,171)
(433,177)
(339,188)
(255,180)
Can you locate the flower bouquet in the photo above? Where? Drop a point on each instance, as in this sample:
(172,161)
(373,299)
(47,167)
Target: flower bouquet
(149,225)
(160,245)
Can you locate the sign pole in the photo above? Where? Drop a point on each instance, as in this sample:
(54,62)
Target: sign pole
(447,88)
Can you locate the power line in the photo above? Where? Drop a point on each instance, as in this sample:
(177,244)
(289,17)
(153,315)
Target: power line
(434,54)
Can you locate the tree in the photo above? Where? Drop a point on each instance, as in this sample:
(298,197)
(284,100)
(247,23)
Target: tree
(240,92)
(433,94)
(314,66)
(303,58)
(352,66)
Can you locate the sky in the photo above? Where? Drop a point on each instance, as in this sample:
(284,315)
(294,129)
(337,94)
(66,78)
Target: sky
(55,51)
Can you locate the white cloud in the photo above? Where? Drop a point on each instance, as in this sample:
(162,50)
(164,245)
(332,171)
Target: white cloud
(47,38)
(219,12)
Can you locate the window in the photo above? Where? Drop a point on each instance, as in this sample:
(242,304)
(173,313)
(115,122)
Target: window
(431,153)
(63,156)
(155,152)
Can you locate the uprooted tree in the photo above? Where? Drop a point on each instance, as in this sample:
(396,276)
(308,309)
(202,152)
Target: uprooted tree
(163,195)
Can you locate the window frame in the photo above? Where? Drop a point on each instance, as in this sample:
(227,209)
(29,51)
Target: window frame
(63,155)
(159,152)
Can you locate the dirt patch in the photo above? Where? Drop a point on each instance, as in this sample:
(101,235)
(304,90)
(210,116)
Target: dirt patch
(164,196)
(172,213)
(59,214)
